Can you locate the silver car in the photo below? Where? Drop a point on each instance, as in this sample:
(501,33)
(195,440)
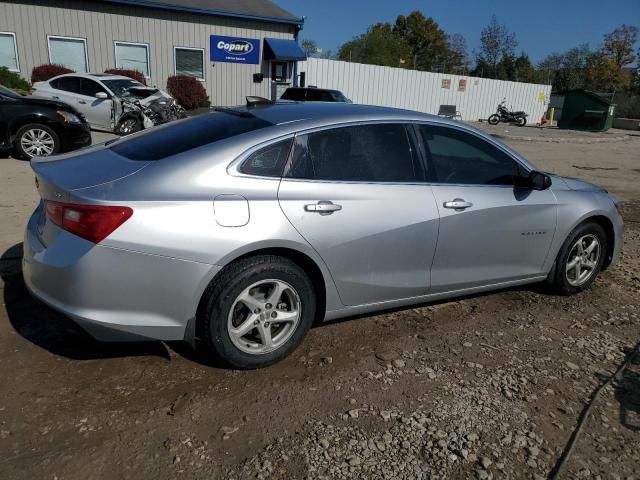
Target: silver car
(238,229)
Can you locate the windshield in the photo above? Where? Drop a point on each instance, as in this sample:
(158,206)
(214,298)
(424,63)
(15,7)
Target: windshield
(7,92)
(119,87)
(178,137)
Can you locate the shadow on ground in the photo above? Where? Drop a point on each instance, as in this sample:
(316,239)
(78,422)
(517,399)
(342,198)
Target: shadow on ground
(627,392)
(51,330)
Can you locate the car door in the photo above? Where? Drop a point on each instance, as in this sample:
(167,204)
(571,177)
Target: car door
(356,194)
(65,89)
(491,229)
(98,111)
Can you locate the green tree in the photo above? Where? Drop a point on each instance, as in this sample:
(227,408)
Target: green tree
(566,70)
(380,45)
(497,45)
(603,74)
(429,48)
(458,57)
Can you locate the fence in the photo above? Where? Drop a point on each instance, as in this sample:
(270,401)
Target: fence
(475,98)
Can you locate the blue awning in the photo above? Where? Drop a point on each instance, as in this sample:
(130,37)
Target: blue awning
(286,50)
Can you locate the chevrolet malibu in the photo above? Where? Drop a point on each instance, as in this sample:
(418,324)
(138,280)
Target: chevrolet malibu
(238,229)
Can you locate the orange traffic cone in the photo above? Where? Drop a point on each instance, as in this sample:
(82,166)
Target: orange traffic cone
(543,120)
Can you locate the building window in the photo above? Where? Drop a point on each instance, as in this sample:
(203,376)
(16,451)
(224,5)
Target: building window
(446,83)
(9,52)
(70,52)
(462,85)
(279,71)
(132,56)
(189,61)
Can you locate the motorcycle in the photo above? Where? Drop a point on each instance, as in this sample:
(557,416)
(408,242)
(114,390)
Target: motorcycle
(503,114)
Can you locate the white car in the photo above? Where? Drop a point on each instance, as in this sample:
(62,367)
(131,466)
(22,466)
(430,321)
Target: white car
(112,102)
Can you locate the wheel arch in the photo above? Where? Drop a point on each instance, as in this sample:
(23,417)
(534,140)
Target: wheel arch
(607,226)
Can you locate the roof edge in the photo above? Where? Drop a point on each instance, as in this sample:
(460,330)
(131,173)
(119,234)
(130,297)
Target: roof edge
(219,13)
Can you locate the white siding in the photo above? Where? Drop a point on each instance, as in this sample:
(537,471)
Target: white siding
(102,23)
(422,91)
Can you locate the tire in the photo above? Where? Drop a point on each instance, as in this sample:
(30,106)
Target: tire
(521,121)
(493,119)
(224,313)
(35,139)
(128,125)
(563,278)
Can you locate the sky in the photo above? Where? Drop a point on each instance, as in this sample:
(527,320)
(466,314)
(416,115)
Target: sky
(541,26)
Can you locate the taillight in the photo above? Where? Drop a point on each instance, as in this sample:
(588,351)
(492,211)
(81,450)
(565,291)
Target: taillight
(91,222)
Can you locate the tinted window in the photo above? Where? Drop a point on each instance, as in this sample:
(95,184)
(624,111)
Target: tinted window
(318,96)
(462,158)
(68,84)
(296,94)
(182,136)
(269,161)
(368,153)
(90,88)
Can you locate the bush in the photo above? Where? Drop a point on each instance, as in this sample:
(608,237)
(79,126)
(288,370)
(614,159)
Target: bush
(188,91)
(14,81)
(44,72)
(135,74)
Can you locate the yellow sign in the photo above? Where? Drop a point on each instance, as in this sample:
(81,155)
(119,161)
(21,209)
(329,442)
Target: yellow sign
(402,61)
(542,98)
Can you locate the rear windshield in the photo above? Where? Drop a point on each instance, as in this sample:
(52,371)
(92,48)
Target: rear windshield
(195,132)
(293,94)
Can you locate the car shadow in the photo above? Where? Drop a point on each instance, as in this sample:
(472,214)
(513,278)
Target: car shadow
(52,331)
(627,393)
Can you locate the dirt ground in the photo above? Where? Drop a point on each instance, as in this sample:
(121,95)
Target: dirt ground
(483,387)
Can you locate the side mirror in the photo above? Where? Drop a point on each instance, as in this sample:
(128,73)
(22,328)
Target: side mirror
(539,180)
(102,95)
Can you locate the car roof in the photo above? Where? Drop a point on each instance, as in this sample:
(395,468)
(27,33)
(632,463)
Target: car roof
(310,114)
(96,76)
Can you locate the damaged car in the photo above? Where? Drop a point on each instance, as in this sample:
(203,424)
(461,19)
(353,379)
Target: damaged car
(112,103)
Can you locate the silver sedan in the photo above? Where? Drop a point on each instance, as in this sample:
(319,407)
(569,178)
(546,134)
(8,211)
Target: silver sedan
(239,229)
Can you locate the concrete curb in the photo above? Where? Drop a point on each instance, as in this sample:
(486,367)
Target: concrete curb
(561,139)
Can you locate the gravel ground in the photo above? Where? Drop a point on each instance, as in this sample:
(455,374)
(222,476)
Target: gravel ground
(483,387)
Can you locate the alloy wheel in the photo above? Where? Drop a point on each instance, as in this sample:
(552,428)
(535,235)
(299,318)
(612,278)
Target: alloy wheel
(582,260)
(264,316)
(37,142)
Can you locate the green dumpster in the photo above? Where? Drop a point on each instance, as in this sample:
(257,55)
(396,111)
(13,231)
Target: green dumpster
(583,110)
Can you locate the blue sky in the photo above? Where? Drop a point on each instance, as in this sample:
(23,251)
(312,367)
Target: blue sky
(541,26)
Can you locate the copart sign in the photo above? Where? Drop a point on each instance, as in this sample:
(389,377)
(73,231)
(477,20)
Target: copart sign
(235,50)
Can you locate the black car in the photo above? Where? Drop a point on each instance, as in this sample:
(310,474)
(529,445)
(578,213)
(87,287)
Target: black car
(38,127)
(313,94)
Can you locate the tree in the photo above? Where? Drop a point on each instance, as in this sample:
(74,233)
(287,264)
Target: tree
(427,42)
(618,45)
(603,74)
(565,70)
(497,43)
(309,46)
(458,57)
(524,69)
(380,45)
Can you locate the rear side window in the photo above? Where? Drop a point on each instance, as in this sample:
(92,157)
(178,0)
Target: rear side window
(68,84)
(459,157)
(268,161)
(186,135)
(296,94)
(363,153)
(318,96)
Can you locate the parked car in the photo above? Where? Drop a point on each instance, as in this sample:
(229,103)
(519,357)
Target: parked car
(112,102)
(240,228)
(313,94)
(35,127)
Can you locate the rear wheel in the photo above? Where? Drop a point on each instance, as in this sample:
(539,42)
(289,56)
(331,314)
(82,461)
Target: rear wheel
(580,259)
(257,311)
(521,121)
(494,119)
(36,140)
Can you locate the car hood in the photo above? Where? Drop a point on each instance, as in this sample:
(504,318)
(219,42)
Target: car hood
(33,100)
(575,184)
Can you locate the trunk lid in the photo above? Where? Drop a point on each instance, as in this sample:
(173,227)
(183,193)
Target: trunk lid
(59,175)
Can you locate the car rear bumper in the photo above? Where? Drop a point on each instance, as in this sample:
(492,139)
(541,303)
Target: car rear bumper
(114,294)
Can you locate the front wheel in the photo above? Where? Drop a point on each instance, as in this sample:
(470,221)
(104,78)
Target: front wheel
(521,121)
(494,119)
(128,126)
(257,311)
(580,259)
(36,140)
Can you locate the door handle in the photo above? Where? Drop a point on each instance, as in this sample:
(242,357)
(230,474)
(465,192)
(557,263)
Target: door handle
(82,102)
(458,204)
(55,97)
(323,207)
